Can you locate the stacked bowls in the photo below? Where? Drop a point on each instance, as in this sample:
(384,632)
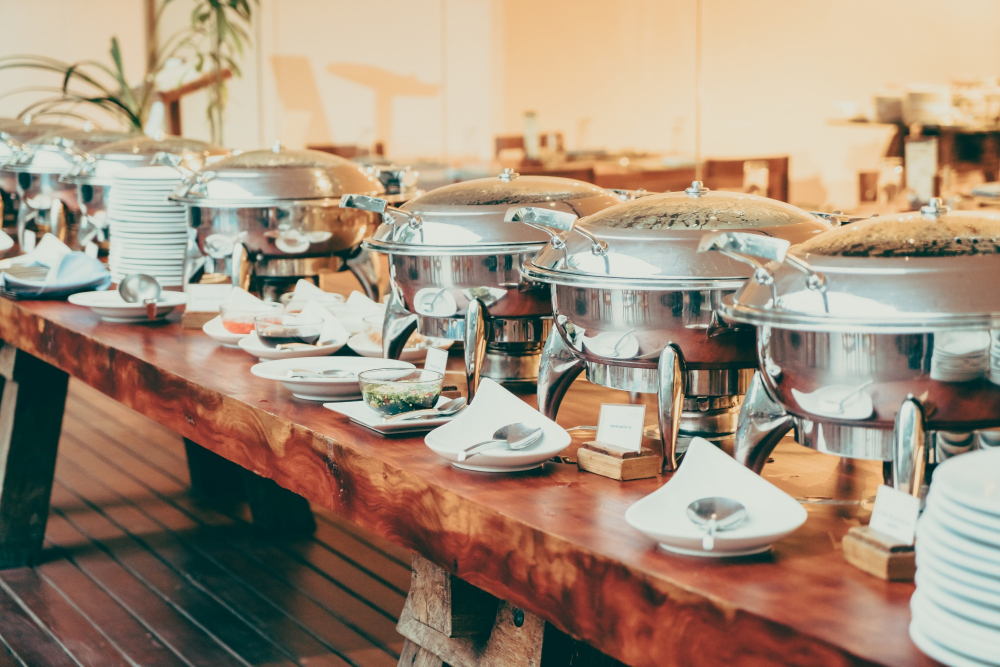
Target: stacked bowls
(149,232)
(956,607)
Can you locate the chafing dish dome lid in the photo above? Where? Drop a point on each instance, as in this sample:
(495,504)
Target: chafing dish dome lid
(138,151)
(274,177)
(469,216)
(652,242)
(933,269)
(16,132)
(57,152)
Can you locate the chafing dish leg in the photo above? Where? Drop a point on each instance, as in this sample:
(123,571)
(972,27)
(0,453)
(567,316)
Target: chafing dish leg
(909,452)
(365,269)
(556,372)
(761,426)
(476,324)
(670,399)
(397,328)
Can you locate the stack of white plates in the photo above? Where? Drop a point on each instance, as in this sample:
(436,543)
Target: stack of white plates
(956,607)
(960,356)
(148,231)
(995,356)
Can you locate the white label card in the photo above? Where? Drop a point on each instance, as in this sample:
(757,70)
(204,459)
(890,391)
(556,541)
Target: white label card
(620,426)
(436,360)
(207,298)
(895,514)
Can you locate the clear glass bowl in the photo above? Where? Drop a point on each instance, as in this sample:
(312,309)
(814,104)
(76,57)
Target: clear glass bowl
(391,391)
(238,319)
(275,329)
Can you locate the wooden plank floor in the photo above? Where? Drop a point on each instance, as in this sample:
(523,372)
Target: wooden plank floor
(138,572)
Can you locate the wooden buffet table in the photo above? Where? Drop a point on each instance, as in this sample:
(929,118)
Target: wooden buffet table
(552,542)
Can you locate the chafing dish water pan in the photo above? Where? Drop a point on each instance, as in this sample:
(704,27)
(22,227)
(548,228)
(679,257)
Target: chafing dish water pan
(455,268)
(875,340)
(637,306)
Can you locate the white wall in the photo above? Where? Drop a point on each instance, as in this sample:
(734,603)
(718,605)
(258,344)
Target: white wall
(608,73)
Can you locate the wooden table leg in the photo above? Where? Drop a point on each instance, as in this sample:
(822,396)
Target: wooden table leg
(447,621)
(275,509)
(31,414)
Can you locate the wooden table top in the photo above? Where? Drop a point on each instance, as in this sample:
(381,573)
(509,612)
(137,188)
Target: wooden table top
(553,541)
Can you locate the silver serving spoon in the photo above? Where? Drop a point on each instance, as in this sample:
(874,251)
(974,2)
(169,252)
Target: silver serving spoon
(444,410)
(715,514)
(327,374)
(141,288)
(512,436)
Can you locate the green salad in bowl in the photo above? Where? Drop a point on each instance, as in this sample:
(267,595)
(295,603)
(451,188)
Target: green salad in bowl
(391,391)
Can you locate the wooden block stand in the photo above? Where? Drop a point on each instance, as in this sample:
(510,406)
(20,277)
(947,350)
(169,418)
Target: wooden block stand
(448,622)
(879,555)
(615,463)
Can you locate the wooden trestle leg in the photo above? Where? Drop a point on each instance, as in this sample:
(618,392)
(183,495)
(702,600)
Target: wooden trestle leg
(275,509)
(31,414)
(448,622)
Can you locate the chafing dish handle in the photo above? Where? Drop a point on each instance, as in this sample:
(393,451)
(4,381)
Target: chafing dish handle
(547,220)
(752,248)
(381,206)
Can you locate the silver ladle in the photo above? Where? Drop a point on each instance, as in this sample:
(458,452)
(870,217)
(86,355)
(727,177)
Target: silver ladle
(512,436)
(141,288)
(715,514)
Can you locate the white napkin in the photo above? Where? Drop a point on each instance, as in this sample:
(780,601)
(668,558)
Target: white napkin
(333,331)
(244,299)
(352,313)
(306,291)
(6,242)
(492,408)
(49,251)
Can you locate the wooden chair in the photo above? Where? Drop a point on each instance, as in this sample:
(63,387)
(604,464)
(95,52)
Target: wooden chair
(516,141)
(728,175)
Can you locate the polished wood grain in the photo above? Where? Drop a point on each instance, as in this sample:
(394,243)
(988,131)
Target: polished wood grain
(552,542)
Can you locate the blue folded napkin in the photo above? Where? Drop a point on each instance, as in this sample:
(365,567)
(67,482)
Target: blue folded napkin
(73,272)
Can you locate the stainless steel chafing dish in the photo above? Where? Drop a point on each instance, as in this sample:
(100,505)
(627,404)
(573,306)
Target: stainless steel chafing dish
(93,173)
(454,268)
(46,203)
(637,306)
(267,218)
(875,340)
(13,135)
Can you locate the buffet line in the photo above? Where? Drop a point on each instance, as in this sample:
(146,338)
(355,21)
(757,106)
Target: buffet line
(745,318)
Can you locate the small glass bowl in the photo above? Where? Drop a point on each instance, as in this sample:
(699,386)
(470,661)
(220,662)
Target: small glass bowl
(238,319)
(274,329)
(391,391)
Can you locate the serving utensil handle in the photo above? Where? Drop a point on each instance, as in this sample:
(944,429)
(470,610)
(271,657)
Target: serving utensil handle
(404,416)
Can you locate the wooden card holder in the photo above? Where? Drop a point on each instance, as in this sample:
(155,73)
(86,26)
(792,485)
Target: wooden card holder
(608,461)
(879,555)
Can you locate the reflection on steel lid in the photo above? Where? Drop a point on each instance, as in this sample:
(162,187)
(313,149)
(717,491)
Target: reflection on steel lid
(269,177)
(933,232)
(138,151)
(59,150)
(508,189)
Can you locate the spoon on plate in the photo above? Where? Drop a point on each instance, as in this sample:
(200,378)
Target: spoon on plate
(141,288)
(330,373)
(512,436)
(444,410)
(715,514)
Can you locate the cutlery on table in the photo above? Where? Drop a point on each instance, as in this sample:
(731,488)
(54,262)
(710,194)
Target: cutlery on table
(715,514)
(330,373)
(444,410)
(512,436)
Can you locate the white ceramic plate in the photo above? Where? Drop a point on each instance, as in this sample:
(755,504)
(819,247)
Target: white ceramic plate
(970,610)
(973,587)
(364,346)
(110,307)
(946,505)
(360,413)
(214,330)
(492,408)
(939,652)
(322,389)
(962,528)
(961,553)
(708,471)
(252,346)
(969,639)
(147,228)
(972,480)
